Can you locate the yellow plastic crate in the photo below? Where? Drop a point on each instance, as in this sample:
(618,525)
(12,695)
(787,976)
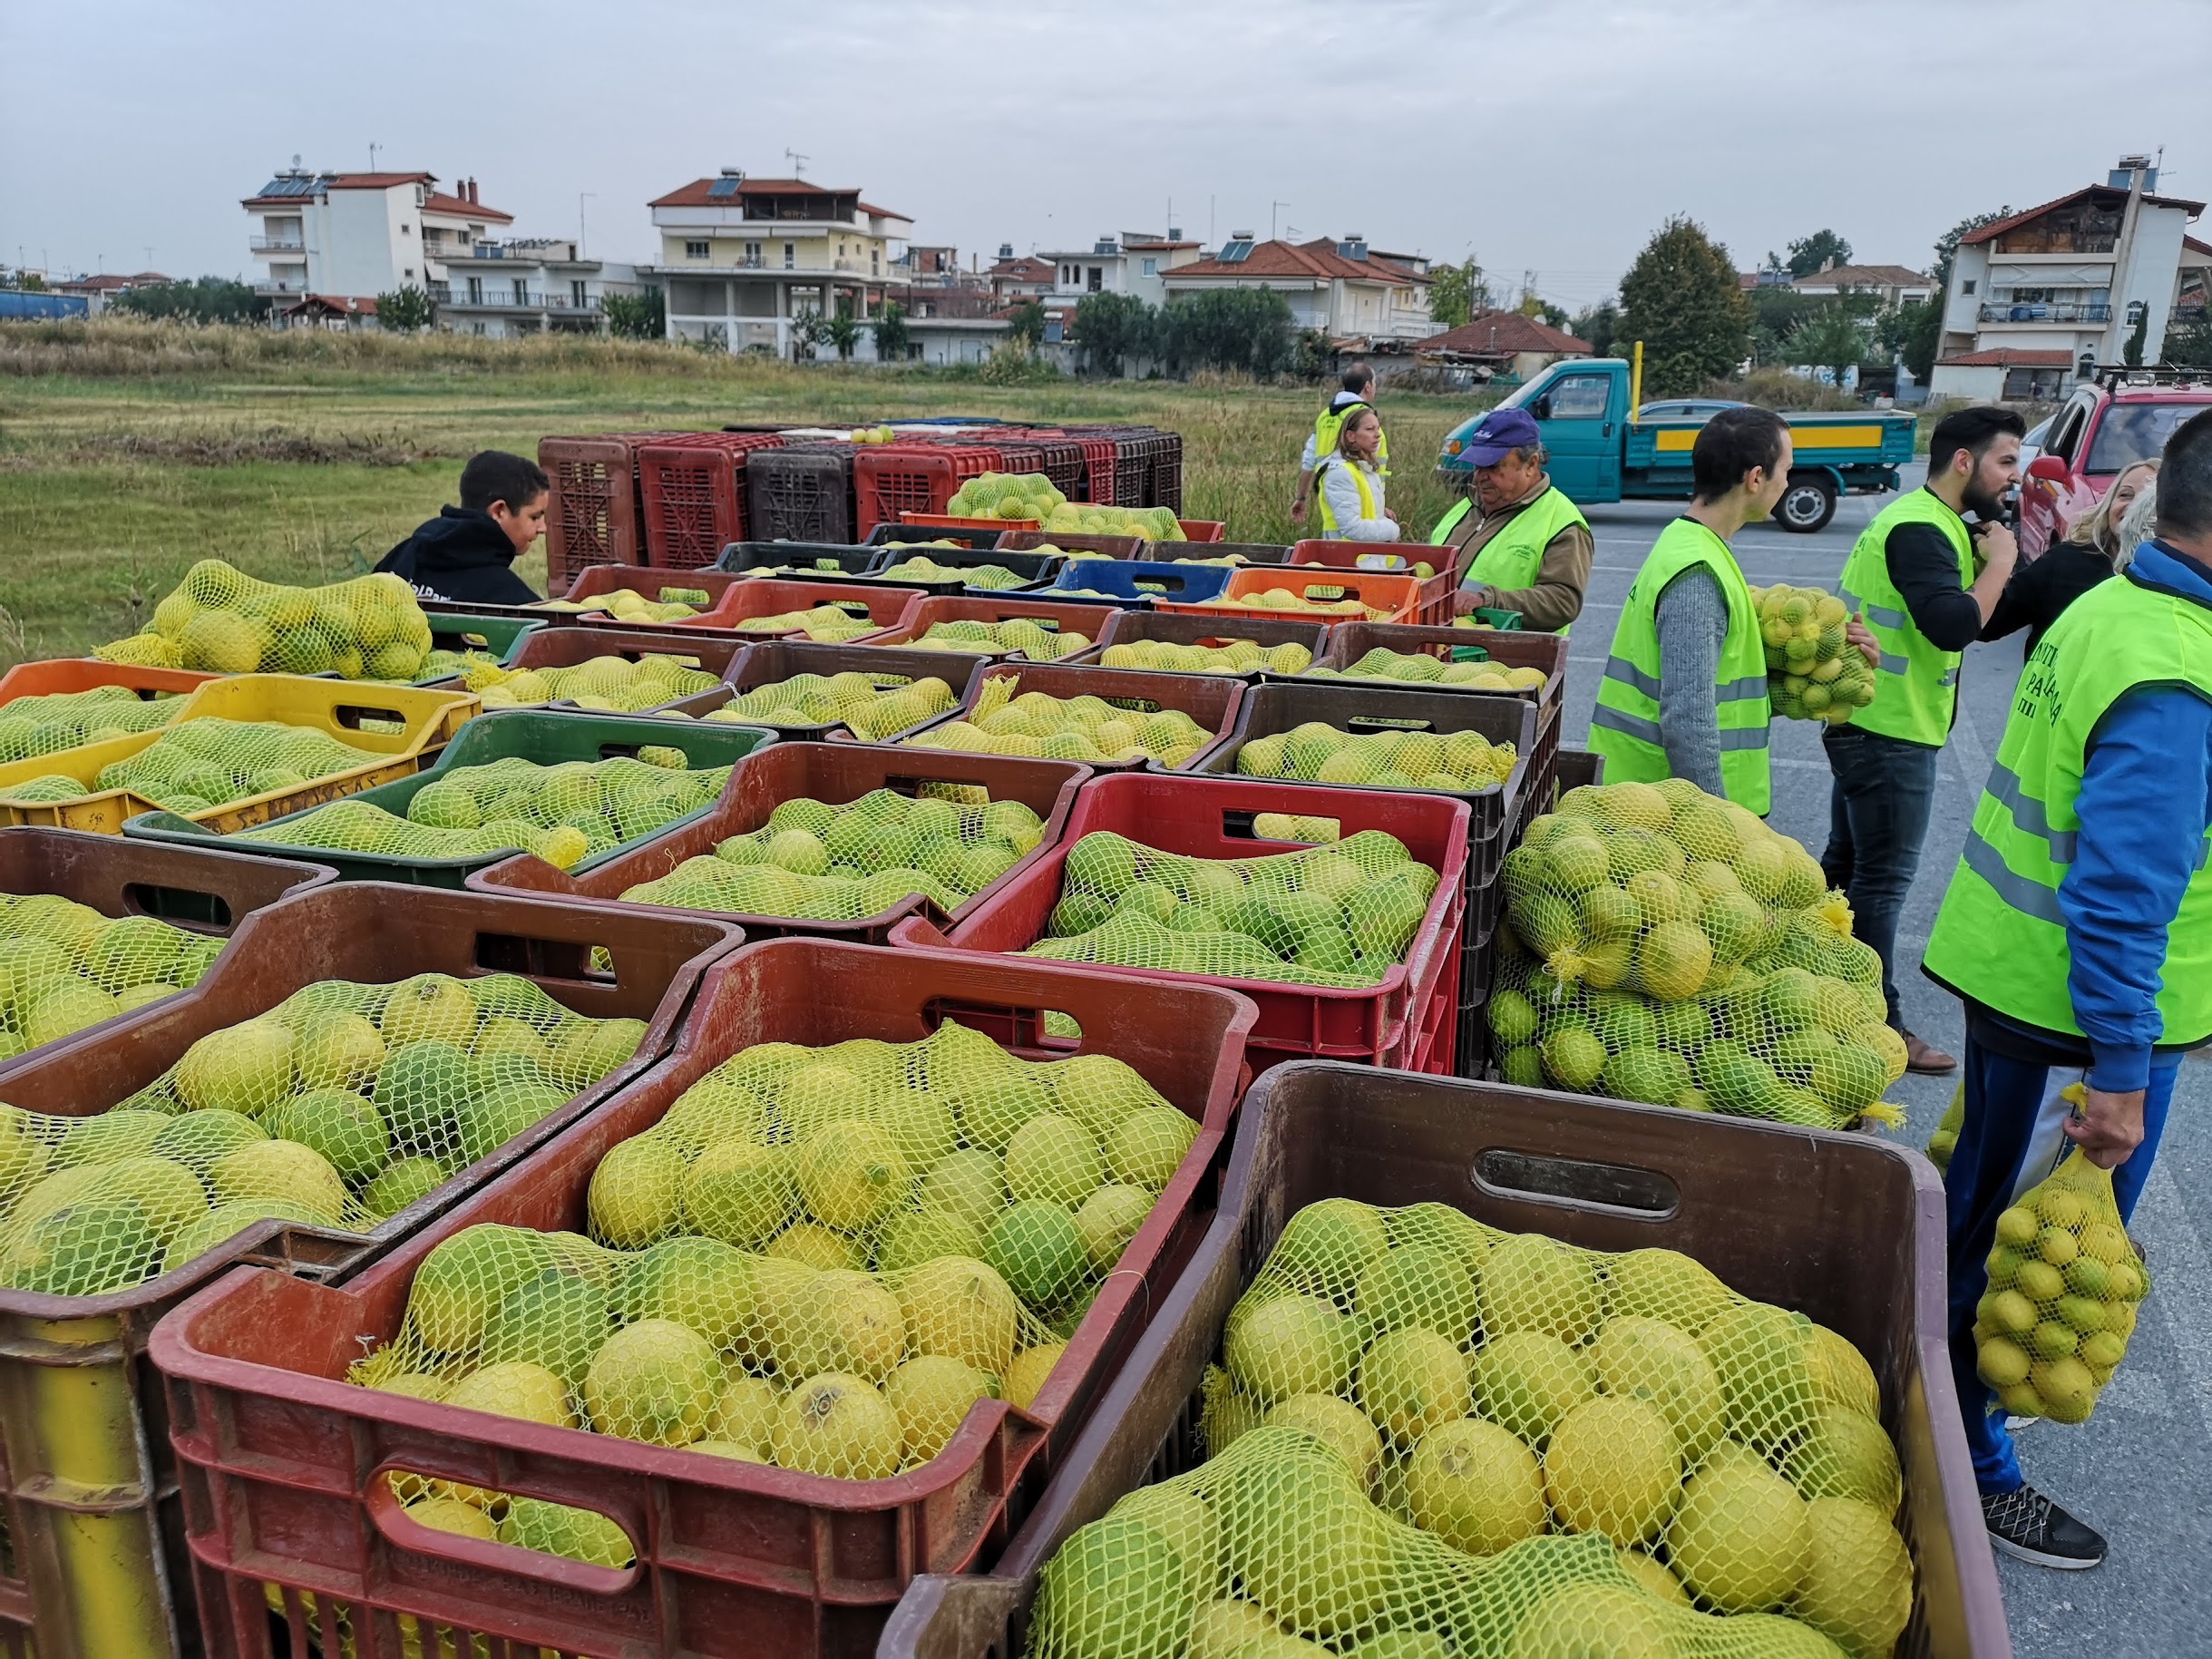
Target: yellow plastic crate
(415,724)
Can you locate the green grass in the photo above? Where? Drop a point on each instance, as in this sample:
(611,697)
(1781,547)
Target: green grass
(128,451)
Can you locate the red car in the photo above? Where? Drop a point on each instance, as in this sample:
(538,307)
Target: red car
(2103,430)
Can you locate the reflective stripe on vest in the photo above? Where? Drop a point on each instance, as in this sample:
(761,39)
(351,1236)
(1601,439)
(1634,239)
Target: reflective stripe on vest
(1328,423)
(2001,935)
(1626,726)
(1512,559)
(1366,496)
(1915,685)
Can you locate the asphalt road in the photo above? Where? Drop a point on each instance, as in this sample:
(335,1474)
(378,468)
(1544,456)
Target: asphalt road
(2139,1470)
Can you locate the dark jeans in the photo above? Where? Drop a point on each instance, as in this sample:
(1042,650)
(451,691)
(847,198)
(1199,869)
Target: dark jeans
(1885,792)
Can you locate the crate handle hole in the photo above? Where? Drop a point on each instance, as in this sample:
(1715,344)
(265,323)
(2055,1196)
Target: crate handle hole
(354,717)
(180,905)
(1372,722)
(1007,1024)
(1239,823)
(394,1491)
(1581,1183)
(545,958)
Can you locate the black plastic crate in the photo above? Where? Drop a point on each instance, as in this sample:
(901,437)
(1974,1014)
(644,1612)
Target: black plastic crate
(798,561)
(1037,569)
(884,534)
(801,494)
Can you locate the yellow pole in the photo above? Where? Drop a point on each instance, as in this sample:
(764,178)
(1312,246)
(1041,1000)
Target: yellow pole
(1635,379)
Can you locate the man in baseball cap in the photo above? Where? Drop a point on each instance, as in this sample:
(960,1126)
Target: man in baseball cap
(1519,544)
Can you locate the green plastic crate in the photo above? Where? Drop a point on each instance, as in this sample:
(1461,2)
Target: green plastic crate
(502,637)
(548,737)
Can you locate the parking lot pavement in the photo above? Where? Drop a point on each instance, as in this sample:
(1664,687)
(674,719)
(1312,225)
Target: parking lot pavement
(2139,1470)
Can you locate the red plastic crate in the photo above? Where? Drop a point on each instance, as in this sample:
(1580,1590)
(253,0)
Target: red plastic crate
(283,1462)
(564,648)
(1202,530)
(649,580)
(1053,615)
(749,597)
(1214,701)
(593,513)
(1131,472)
(695,496)
(832,772)
(1098,462)
(1436,591)
(1387,1024)
(1397,597)
(891,480)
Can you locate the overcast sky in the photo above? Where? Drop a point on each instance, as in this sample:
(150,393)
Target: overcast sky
(1547,138)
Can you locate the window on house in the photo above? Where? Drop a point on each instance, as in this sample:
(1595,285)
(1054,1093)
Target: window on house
(752,253)
(695,250)
(408,273)
(476,292)
(406,230)
(1097,280)
(791,255)
(1152,267)
(522,290)
(1967,288)
(575,292)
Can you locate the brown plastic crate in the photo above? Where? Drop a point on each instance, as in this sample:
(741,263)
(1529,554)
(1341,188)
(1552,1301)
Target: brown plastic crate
(285,1462)
(890,607)
(1112,547)
(891,480)
(564,648)
(88,1473)
(1053,616)
(833,772)
(1213,701)
(649,581)
(1847,1229)
(777,661)
(593,513)
(1125,627)
(1349,641)
(695,497)
(800,494)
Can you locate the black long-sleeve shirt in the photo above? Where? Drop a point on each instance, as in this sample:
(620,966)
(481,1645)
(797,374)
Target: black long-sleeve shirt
(1925,570)
(2040,591)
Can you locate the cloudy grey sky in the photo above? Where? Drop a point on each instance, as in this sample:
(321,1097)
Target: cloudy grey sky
(1548,137)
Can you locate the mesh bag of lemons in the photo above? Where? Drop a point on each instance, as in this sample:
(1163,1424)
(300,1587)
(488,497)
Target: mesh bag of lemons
(1813,672)
(629,605)
(1229,657)
(1096,519)
(1429,1437)
(1943,1140)
(1005,495)
(64,966)
(829,623)
(1026,635)
(2064,1280)
(1664,945)
(47,724)
(1339,915)
(818,862)
(563,814)
(611,684)
(205,763)
(921,567)
(1420,668)
(1086,728)
(1316,752)
(872,705)
(1308,603)
(818,1259)
(338,1108)
(224,621)
(444,662)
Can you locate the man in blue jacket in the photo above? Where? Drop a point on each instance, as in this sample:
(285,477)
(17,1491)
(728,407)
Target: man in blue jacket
(2078,930)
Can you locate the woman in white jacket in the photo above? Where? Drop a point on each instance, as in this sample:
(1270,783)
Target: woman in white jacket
(1351,485)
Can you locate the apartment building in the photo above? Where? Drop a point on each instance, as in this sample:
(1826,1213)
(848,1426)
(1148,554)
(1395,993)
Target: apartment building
(351,236)
(529,285)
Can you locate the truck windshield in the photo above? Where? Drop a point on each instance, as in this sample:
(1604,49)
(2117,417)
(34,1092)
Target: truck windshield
(2130,433)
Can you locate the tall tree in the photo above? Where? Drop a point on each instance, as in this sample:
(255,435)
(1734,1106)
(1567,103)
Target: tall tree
(891,333)
(1831,338)
(1681,299)
(1455,293)
(1925,334)
(1111,328)
(1596,326)
(1807,254)
(1026,322)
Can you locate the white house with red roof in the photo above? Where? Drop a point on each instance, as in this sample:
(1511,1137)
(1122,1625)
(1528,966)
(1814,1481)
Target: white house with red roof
(1135,262)
(1504,342)
(352,236)
(1357,297)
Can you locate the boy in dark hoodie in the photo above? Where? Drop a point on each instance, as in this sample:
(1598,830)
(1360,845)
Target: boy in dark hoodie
(466,553)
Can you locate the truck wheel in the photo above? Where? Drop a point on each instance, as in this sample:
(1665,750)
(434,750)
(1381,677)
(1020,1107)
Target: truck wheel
(1808,504)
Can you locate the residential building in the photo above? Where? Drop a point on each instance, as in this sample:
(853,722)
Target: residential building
(2039,300)
(1356,297)
(950,325)
(743,260)
(326,311)
(1136,262)
(1894,285)
(533,285)
(1026,277)
(1503,342)
(352,236)
(96,292)
(937,266)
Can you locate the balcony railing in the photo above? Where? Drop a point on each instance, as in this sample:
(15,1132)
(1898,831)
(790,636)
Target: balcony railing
(2045,311)
(278,244)
(446,294)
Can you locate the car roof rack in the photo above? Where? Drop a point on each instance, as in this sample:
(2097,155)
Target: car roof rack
(2118,378)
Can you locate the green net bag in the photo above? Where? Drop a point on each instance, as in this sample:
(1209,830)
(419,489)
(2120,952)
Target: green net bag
(1813,672)
(1312,602)
(829,623)
(872,705)
(64,966)
(1005,495)
(1315,752)
(1943,1140)
(1085,728)
(921,567)
(1417,668)
(1339,915)
(34,726)
(224,621)
(612,685)
(205,764)
(1096,519)
(1229,657)
(819,862)
(1026,635)
(2064,1279)
(629,605)
(339,1106)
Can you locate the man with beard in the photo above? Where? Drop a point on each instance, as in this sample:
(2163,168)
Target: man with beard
(1912,579)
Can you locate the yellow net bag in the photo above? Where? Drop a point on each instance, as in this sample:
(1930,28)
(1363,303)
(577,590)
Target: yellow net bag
(34,725)
(1007,495)
(819,862)
(1315,752)
(921,567)
(1813,672)
(203,764)
(1943,1140)
(1229,657)
(1418,668)
(2064,1280)
(1312,602)
(1022,634)
(1429,1437)
(629,605)
(872,705)
(829,623)
(1084,728)
(64,966)
(612,685)
(339,1106)
(224,621)
(1096,519)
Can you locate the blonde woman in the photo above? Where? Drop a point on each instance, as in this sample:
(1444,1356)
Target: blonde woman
(2040,592)
(1350,483)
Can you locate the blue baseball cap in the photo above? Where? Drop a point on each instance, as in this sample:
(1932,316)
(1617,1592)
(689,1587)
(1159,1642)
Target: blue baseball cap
(1496,435)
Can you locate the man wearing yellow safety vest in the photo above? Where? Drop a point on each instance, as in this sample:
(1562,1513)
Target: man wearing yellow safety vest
(1911,579)
(2078,930)
(1358,393)
(1528,549)
(1685,689)
(1351,485)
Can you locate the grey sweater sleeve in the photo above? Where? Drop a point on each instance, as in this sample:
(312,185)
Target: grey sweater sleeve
(1692,618)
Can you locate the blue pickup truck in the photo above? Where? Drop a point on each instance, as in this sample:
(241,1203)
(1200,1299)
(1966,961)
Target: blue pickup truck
(1599,452)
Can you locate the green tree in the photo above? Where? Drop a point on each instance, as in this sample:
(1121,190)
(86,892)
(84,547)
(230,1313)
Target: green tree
(1832,339)
(2190,343)
(1597,326)
(405,310)
(636,317)
(1778,312)
(1682,300)
(210,299)
(1026,322)
(2131,353)
(1455,293)
(1807,254)
(841,332)
(891,333)
(1111,328)
(1235,330)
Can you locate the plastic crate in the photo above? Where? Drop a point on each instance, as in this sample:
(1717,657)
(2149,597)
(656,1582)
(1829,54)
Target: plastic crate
(1169,583)
(88,1476)
(1359,706)
(1349,641)
(891,480)
(594,512)
(499,637)
(1204,532)
(1113,547)
(65,673)
(564,648)
(1098,458)
(339,709)
(1396,1023)
(1053,616)
(649,581)
(1060,458)
(1846,1228)
(887,605)
(1571,769)
(1478,963)
(1436,588)
(1125,627)
(801,493)
(832,772)
(796,560)
(694,495)
(1037,569)
(548,737)
(1214,702)
(953,521)
(1397,598)
(886,666)
(970,532)
(1167,474)
(1250,552)
(285,1462)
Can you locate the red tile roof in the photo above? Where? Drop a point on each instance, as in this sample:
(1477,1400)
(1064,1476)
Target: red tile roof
(2008,356)
(1027,269)
(340,305)
(695,194)
(461,208)
(1867,276)
(107,283)
(1317,259)
(1502,333)
(2193,245)
(1997,227)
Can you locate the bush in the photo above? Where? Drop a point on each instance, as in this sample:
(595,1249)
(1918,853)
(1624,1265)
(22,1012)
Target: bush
(636,317)
(210,299)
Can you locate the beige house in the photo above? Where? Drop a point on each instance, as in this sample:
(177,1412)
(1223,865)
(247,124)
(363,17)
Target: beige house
(1356,297)
(1504,342)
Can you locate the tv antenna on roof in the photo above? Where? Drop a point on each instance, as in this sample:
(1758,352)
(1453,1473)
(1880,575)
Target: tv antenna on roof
(798,164)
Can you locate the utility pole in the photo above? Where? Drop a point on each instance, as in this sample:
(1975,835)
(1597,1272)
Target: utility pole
(374,148)
(581,197)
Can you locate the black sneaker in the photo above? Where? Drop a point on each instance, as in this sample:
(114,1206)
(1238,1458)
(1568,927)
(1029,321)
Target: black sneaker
(2028,1525)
